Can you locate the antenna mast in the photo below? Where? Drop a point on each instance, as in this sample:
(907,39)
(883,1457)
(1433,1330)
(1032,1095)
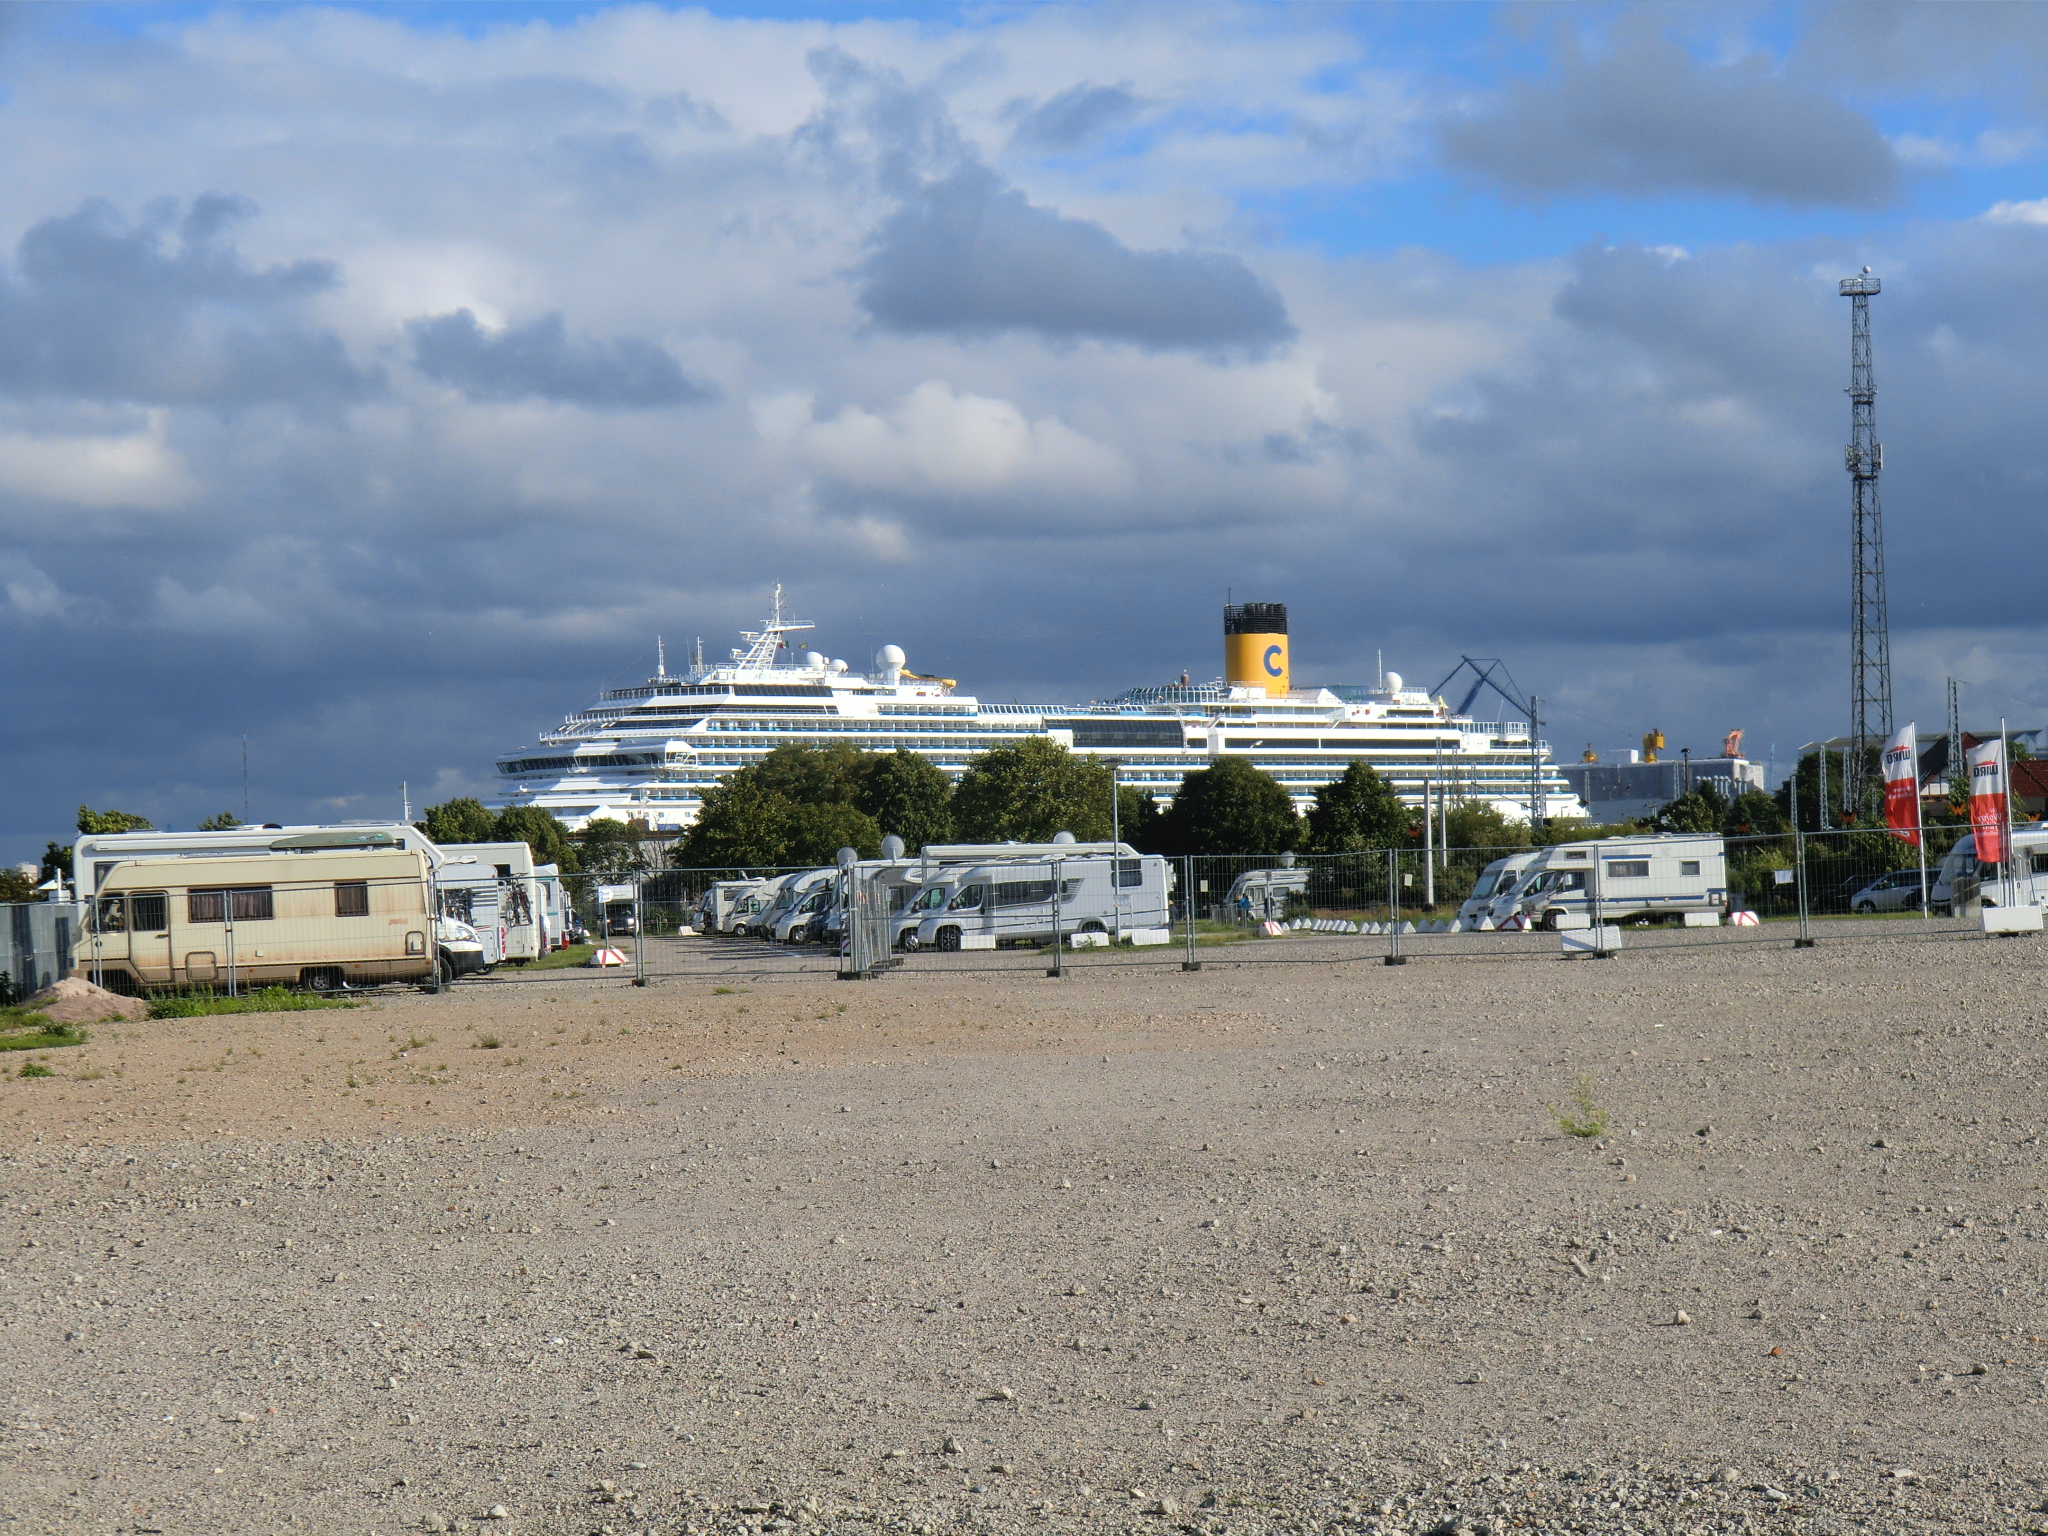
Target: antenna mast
(1870,646)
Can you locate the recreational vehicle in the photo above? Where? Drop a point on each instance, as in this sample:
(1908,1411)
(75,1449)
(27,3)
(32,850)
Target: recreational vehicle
(790,890)
(93,854)
(1656,876)
(1013,901)
(494,888)
(323,920)
(720,901)
(1962,878)
(1498,877)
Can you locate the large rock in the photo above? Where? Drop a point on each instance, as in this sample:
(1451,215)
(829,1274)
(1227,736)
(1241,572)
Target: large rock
(74,1001)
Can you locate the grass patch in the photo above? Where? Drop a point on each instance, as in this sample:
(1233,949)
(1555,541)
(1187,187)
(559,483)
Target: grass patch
(1585,1117)
(268,1000)
(34,1069)
(562,959)
(488,1043)
(39,1034)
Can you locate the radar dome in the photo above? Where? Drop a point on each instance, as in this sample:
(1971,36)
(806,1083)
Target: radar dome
(813,659)
(1393,682)
(889,658)
(838,666)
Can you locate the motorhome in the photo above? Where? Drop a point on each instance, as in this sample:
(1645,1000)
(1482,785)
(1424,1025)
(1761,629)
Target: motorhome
(1262,895)
(1962,878)
(494,888)
(803,921)
(1496,878)
(326,919)
(717,906)
(790,890)
(1654,876)
(94,853)
(1012,901)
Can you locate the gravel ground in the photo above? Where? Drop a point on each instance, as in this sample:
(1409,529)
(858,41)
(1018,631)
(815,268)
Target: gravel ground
(1247,1251)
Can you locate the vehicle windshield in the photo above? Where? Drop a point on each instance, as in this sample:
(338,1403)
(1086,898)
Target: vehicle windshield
(1486,883)
(931,900)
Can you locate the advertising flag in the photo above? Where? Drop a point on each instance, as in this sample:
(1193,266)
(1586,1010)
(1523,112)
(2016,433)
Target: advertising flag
(1987,799)
(1902,784)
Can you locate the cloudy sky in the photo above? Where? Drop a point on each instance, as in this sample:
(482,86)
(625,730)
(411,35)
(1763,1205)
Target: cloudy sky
(380,381)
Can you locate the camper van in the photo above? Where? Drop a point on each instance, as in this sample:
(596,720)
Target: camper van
(1498,877)
(493,887)
(720,901)
(790,890)
(1961,878)
(95,853)
(1262,895)
(329,919)
(1012,901)
(1655,876)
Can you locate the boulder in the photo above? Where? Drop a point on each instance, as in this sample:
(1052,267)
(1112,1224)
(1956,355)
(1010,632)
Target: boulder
(75,1001)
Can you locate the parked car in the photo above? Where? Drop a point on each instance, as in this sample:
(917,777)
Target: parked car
(1899,891)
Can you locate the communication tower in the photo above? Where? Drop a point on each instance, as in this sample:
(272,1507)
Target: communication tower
(1870,646)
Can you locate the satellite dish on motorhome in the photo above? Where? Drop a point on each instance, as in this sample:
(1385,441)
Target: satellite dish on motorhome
(847,856)
(1063,837)
(892,847)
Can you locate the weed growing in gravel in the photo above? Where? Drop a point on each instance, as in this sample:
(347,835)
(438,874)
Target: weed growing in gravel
(1585,1117)
(35,1069)
(89,1075)
(45,1036)
(268,1000)
(487,1043)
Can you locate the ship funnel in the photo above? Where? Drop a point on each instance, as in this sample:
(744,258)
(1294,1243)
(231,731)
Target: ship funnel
(1255,646)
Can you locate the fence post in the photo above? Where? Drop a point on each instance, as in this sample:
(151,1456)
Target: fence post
(1394,955)
(227,914)
(1805,939)
(1188,903)
(1056,970)
(639,931)
(1600,949)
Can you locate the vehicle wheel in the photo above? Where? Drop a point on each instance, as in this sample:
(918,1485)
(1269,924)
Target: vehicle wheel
(1865,908)
(949,939)
(908,943)
(444,970)
(1091,926)
(1552,920)
(323,978)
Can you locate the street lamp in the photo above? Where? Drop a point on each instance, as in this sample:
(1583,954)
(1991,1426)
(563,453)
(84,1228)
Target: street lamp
(1116,841)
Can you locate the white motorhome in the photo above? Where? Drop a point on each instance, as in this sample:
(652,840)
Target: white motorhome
(790,891)
(1961,878)
(1498,877)
(1012,901)
(1262,895)
(1654,876)
(720,901)
(494,888)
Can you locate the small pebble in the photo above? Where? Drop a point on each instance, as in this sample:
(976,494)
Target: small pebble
(999,1395)
(1682,1319)
(951,1447)
(1727,1476)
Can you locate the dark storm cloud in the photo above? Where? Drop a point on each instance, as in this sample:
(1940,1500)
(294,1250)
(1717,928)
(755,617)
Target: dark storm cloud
(1075,117)
(164,311)
(541,361)
(1650,118)
(969,255)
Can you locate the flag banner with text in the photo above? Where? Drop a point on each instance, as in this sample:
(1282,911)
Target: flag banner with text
(1987,799)
(1902,784)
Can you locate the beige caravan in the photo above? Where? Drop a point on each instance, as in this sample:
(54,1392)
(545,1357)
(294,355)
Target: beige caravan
(355,917)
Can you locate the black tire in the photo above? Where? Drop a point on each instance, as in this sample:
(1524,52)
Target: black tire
(444,970)
(949,940)
(1551,921)
(1865,908)
(1092,926)
(322,978)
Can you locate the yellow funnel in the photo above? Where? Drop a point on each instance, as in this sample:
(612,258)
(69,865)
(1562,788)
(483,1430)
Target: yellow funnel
(1255,646)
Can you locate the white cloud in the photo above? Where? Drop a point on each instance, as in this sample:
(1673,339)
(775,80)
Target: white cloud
(133,470)
(2032,212)
(936,442)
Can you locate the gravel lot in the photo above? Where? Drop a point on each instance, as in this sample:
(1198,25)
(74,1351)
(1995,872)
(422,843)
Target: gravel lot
(1252,1250)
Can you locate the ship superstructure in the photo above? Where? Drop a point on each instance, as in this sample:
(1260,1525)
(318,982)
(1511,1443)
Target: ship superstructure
(649,753)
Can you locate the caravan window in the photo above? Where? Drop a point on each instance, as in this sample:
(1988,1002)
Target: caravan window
(1688,866)
(1130,871)
(113,915)
(2040,858)
(968,899)
(241,904)
(1024,893)
(151,913)
(1624,869)
(351,898)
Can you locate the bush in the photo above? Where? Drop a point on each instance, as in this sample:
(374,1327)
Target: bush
(268,1000)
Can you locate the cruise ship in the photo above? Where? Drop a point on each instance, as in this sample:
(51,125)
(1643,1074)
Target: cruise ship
(648,754)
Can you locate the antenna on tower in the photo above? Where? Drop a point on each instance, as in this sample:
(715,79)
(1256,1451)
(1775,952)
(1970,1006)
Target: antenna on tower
(660,658)
(1870,645)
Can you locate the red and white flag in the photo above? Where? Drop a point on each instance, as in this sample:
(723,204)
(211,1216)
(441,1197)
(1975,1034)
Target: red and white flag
(1988,799)
(1902,785)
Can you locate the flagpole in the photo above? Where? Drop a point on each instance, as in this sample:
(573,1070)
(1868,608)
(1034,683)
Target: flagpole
(2005,785)
(1920,826)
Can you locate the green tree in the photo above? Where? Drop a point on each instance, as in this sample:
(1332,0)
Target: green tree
(99,823)
(17,885)
(1808,776)
(221,822)
(1360,810)
(818,832)
(460,821)
(1481,824)
(608,846)
(813,775)
(1754,814)
(1702,809)
(1030,789)
(547,837)
(1142,823)
(56,861)
(907,795)
(739,826)
(1232,808)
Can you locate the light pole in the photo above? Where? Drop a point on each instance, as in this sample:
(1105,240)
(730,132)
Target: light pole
(1116,842)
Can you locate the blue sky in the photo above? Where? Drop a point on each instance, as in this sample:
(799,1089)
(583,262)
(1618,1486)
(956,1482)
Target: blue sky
(381,379)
